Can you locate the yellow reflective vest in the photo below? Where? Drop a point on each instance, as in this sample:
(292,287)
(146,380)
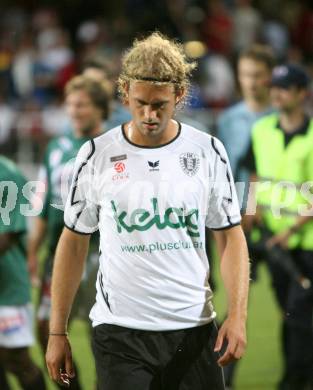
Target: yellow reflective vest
(285,174)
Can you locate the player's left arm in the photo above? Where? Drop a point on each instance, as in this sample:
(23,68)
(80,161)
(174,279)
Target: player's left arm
(234,265)
(223,218)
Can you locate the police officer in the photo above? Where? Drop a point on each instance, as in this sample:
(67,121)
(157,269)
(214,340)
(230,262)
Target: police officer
(282,158)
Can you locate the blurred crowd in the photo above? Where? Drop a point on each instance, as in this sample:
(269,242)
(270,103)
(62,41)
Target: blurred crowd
(40,52)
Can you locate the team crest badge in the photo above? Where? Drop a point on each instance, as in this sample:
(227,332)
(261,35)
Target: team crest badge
(190,163)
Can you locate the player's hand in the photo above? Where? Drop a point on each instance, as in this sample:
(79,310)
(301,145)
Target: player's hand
(32,262)
(233,333)
(59,360)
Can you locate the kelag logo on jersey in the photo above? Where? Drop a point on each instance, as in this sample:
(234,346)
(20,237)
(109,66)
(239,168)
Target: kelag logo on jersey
(142,219)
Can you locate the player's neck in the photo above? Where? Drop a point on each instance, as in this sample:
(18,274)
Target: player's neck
(138,138)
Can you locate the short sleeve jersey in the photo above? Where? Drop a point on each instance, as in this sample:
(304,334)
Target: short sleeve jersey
(14,280)
(151,206)
(56,172)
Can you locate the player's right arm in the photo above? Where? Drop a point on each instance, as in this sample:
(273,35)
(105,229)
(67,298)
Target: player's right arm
(81,220)
(68,268)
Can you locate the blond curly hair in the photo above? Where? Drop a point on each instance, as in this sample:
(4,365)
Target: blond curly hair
(155,59)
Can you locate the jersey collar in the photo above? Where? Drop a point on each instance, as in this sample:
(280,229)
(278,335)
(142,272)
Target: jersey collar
(151,147)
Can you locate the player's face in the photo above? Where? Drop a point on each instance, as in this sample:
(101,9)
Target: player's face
(287,99)
(84,115)
(152,107)
(254,78)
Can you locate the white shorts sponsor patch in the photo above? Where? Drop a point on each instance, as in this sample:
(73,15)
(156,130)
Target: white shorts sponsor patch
(16,326)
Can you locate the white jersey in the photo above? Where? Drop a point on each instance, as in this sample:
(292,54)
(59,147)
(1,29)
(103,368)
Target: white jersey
(151,205)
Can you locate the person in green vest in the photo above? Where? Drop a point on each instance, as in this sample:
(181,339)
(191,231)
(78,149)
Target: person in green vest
(87,104)
(16,334)
(282,159)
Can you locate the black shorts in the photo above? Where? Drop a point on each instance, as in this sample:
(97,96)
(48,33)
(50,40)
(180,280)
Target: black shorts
(129,359)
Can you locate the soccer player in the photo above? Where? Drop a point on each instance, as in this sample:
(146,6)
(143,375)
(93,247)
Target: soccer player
(150,186)
(16,334)
(87,104)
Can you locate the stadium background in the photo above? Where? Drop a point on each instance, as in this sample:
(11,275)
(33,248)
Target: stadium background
(44,45)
